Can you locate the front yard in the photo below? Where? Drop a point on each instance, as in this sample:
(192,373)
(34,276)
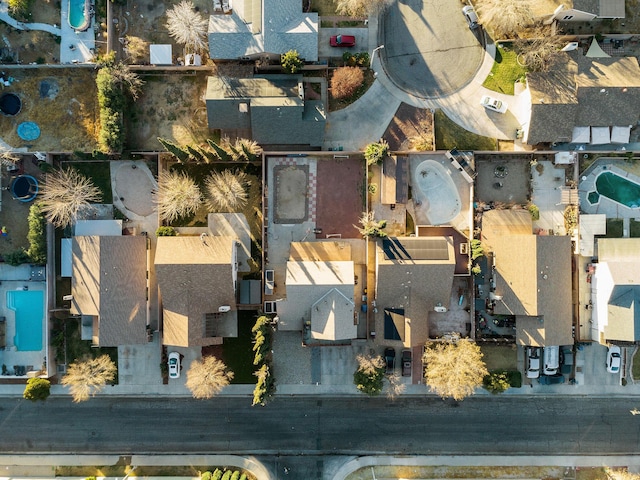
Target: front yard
(450,135)
(505,71)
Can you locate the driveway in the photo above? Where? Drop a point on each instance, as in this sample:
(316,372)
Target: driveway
(429,49)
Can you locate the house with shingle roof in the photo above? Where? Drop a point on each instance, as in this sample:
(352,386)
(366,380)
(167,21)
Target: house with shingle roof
(270,110)
(533,283)
(615,291)
(197,277)
(109,287)
(414,277)
(584,100)
(587,10)
(258,27)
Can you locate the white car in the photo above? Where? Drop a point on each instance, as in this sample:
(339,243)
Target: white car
(613,359)
(533,362)
(472,19)
(493,104)
(174,365)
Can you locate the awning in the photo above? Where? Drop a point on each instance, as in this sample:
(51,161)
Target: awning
(620,134)
(580,135)
(565,158)
(595,51)
(600,135)
(160,55)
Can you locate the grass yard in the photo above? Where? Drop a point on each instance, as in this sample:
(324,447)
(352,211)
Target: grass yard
(500,357)
(450,135)
(614,228)
(100,174)
(505,71)
(237,352)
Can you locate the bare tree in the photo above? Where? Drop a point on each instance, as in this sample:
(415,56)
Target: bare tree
(370,227)
(64,193)
(177,195)
(505,17)
(188,27)
(361,8)
(539,53)
(136,48)
(123,76)
(8,157)
(454,368)
(87,377)
(395,386)
(227,191)
(207,377)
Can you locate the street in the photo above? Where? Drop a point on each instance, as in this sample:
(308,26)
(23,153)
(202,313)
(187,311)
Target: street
(323,426)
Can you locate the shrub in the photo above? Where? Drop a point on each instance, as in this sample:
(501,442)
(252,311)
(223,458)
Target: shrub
(227,475)
(206,476)
(495,382)
(476,269)
(17,257)
(477,250)
(291,61)
(265,386)
(375,152)
(514,377)
(37,235)
(369,376)
(20,9)
(217,474)
(235,475)
(534,211)
(345,81)
(166,232)
(37,389)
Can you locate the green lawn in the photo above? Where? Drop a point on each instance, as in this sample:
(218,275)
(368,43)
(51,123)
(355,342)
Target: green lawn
(499,357)
(237,352)
(614,228)
(635,366)
(505,71)
(99,173)
(451,135)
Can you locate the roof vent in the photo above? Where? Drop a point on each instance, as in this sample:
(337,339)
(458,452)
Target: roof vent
(243,108)
(224,309)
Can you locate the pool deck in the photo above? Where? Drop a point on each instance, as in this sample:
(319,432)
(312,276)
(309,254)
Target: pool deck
(610,208)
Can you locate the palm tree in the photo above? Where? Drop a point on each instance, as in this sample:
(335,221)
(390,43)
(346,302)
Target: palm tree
(64,193)
(227,191)
(177,195)
(188,27)
(207,377)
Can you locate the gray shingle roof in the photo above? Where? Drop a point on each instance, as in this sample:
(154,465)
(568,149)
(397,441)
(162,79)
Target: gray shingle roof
(109,281)
(601,8)
(284,27)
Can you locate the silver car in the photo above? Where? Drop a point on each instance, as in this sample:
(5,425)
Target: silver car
(533,362)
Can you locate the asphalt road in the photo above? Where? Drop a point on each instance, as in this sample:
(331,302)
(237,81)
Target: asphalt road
(322,426)
(429,50)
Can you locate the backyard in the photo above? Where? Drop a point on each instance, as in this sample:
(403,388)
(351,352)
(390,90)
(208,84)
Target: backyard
(505,71)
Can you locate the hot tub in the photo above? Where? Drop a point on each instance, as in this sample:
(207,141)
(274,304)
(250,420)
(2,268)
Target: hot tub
(10,104)
(24,188)
(435,195)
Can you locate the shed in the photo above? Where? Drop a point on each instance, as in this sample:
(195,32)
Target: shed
(160,54)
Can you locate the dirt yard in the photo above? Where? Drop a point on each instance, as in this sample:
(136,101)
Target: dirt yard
(410,129)
(62,102)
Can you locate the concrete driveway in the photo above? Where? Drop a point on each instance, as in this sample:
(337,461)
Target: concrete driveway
(326,50)
(429,49)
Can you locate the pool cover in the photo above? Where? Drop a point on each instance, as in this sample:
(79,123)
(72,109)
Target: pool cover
(28,131)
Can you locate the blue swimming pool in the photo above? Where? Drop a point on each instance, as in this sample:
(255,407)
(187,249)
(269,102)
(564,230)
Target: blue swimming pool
(29,308)
(79,17)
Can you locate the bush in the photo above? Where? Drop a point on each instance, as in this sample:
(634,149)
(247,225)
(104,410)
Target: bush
(236,475)
(291,61)
(206,476)
(476,269)
(37,235)
(514,377)
(17,257)
(227,475)
(375,152)
(495,382)
(217,474)
(20,9)
(477,250)
(37,389)
(166,232)
(534,211)
(345,81)
(265,386)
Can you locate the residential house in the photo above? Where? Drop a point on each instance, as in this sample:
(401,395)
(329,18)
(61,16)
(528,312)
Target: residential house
(197,277)
(109,288)
(256,28)
(588,10)
(615,291)
(533,283)
(272,111)
(414,277)
(583,99)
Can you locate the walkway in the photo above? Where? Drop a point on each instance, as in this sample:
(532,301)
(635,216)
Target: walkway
(5,17)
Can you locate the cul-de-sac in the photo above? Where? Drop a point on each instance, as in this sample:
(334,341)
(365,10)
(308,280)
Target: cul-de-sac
(320,239)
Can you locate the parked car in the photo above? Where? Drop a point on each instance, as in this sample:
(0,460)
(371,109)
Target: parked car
(472,19)
(613,359)
(533,362)
(174,365)
(551,359)
(390,359)
(551,379)
(493,104)
(342,41)
(406,363)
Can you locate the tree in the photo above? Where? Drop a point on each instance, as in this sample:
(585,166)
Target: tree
(539,54)
(265,386)
(291,61)
(506,17)
(188,27)
(20,8)
(395,386)
(87,377)
(177,151)
(369,375)
(227,191)
(454,368)
(137,49)
(477,250)
(375,152)
(177,195)
(37,389)
(496,382)
(345,81)
(370,227)
(361,8)
(8,158)
(64,193)
(207,377)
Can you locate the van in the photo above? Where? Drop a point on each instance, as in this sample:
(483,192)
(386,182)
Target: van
(551,359)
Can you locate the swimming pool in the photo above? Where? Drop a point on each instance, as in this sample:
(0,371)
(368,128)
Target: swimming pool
(29,308)
(619,189)
(435,195)
(79,16)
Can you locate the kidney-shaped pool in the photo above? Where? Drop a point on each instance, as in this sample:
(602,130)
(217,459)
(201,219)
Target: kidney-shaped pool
(435,194)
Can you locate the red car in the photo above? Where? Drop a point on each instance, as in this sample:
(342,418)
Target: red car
(343,41)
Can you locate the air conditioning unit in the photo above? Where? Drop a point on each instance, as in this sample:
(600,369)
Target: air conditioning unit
(224,309)
(440,309)
(61,368)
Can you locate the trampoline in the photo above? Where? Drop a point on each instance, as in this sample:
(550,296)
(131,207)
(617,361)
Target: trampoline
(10,104)
(28,131)
(24,188)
